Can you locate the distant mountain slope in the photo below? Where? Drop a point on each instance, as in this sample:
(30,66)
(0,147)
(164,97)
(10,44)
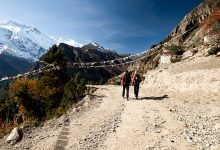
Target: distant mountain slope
(90,53)
(22,45)
(10,65)
(26,41)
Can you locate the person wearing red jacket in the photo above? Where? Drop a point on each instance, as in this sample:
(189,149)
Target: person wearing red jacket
(125,82)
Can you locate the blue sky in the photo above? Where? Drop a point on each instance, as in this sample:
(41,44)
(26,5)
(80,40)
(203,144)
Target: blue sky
(127,26)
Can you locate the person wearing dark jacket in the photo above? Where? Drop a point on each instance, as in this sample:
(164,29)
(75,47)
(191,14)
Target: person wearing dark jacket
(136,83)
(125,82)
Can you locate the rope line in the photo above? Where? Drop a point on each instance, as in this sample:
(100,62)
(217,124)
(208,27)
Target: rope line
(101,64)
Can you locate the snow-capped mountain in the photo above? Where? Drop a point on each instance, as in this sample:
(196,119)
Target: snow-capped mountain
(97,47)
(27,42)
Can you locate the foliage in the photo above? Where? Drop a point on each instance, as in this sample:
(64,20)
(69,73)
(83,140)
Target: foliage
(24,92)
(101,81)
(41,98)
(7,106)
(54,55)
(176,49)
(73,90)
(213,51)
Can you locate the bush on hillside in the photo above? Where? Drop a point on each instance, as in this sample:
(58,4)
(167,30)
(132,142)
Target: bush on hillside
(73,90)
(101,81)
(25,92)
(213,51)
(7,106)
(176,49)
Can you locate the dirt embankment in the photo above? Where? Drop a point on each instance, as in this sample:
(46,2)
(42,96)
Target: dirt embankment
(200,75)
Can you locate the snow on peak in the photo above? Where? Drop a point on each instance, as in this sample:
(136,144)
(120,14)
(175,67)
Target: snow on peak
(26,41)
(98,47)
(66,41)
(95,44)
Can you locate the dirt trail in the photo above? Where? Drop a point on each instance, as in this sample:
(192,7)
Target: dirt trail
(177,110)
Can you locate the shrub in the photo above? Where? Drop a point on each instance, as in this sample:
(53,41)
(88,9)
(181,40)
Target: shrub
(24,91)
(213,51)
(7,106)
(176,49)
(73,90)
(101,81)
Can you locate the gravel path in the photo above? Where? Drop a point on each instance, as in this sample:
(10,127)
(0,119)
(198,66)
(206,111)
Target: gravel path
(170,115)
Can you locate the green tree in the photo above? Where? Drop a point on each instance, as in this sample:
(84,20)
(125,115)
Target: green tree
(54,55)
(73,90)
(213,50)
(101,81)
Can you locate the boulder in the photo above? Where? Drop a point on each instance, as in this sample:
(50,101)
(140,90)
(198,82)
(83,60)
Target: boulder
(207,39)
(218,54)
(14,136)
(187,54)
(165,59)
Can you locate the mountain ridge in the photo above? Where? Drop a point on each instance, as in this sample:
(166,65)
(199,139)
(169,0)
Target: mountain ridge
(28,44)
(26,41)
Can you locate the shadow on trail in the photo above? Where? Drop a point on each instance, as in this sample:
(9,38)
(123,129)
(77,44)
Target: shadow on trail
(154,98)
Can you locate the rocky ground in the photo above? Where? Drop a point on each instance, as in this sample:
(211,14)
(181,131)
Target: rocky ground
(178,109)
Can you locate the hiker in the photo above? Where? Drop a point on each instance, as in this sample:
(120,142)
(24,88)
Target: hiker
(136,82)
(125,82)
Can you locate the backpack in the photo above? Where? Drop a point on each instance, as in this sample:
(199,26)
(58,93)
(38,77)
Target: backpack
(137,79)
(126,79)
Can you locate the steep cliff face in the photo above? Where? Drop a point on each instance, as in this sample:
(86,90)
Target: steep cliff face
(196,34)
(199,30)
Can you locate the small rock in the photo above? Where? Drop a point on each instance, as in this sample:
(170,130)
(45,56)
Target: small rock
(86,104)
(187,54)
(217,126)
(14,136)
(208,145)
(158,131)
(189,139)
